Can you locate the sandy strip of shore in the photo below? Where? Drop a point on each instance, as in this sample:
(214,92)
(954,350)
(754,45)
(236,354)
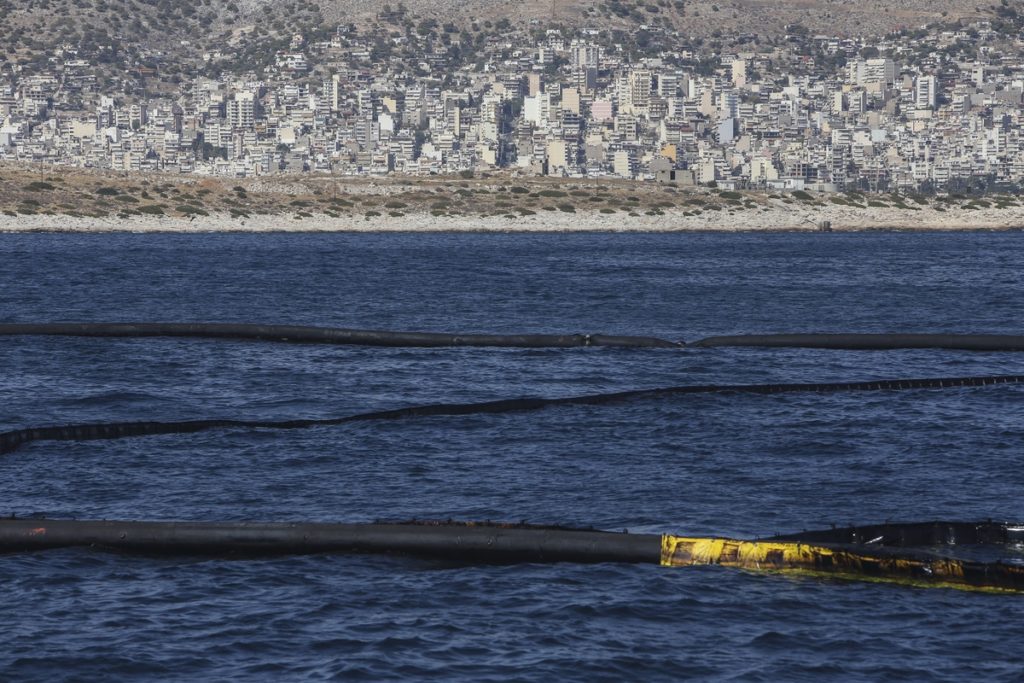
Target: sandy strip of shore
(776,218)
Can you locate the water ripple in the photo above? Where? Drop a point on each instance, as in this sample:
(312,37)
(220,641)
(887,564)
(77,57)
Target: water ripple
(733,465)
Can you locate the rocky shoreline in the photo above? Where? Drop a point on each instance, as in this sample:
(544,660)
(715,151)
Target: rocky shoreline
(783,217)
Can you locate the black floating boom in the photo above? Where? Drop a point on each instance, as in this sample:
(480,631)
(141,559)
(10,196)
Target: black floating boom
(301,334)
(519,543)
(326,335)
(493,543)
(916,534)
(873,342)
(10,441)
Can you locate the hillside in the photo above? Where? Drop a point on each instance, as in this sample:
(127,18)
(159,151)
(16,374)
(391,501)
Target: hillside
(31,28)
(176,30)
(696,17)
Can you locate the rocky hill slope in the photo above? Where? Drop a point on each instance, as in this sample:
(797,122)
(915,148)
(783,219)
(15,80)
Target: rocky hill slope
(32,26)
(697,17)
(145,47)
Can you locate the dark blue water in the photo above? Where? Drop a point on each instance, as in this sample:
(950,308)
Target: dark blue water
(730,464)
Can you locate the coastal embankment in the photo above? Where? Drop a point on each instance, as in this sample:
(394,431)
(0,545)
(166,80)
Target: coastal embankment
(780,219)
(34,199)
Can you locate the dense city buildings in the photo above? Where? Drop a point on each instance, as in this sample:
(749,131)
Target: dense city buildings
(916,110)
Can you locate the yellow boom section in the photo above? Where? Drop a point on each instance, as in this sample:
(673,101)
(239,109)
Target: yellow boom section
(843,562)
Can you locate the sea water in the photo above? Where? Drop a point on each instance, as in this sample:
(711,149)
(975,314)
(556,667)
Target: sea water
(735,465)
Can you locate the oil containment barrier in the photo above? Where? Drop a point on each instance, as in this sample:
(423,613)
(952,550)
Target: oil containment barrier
(872,342)
(302,334)
(12,440)
(916,554)
(916,534)
(844,562)
(521,543)
(327,335)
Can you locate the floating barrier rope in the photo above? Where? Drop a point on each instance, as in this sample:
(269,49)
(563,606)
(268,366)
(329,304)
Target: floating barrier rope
(873,342)
(331,335)
(326,335)
(10,441)
(522,543)
(872,553)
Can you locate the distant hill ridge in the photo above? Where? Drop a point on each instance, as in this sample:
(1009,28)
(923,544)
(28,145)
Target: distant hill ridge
(699,17)
(40,23)
(153,46)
